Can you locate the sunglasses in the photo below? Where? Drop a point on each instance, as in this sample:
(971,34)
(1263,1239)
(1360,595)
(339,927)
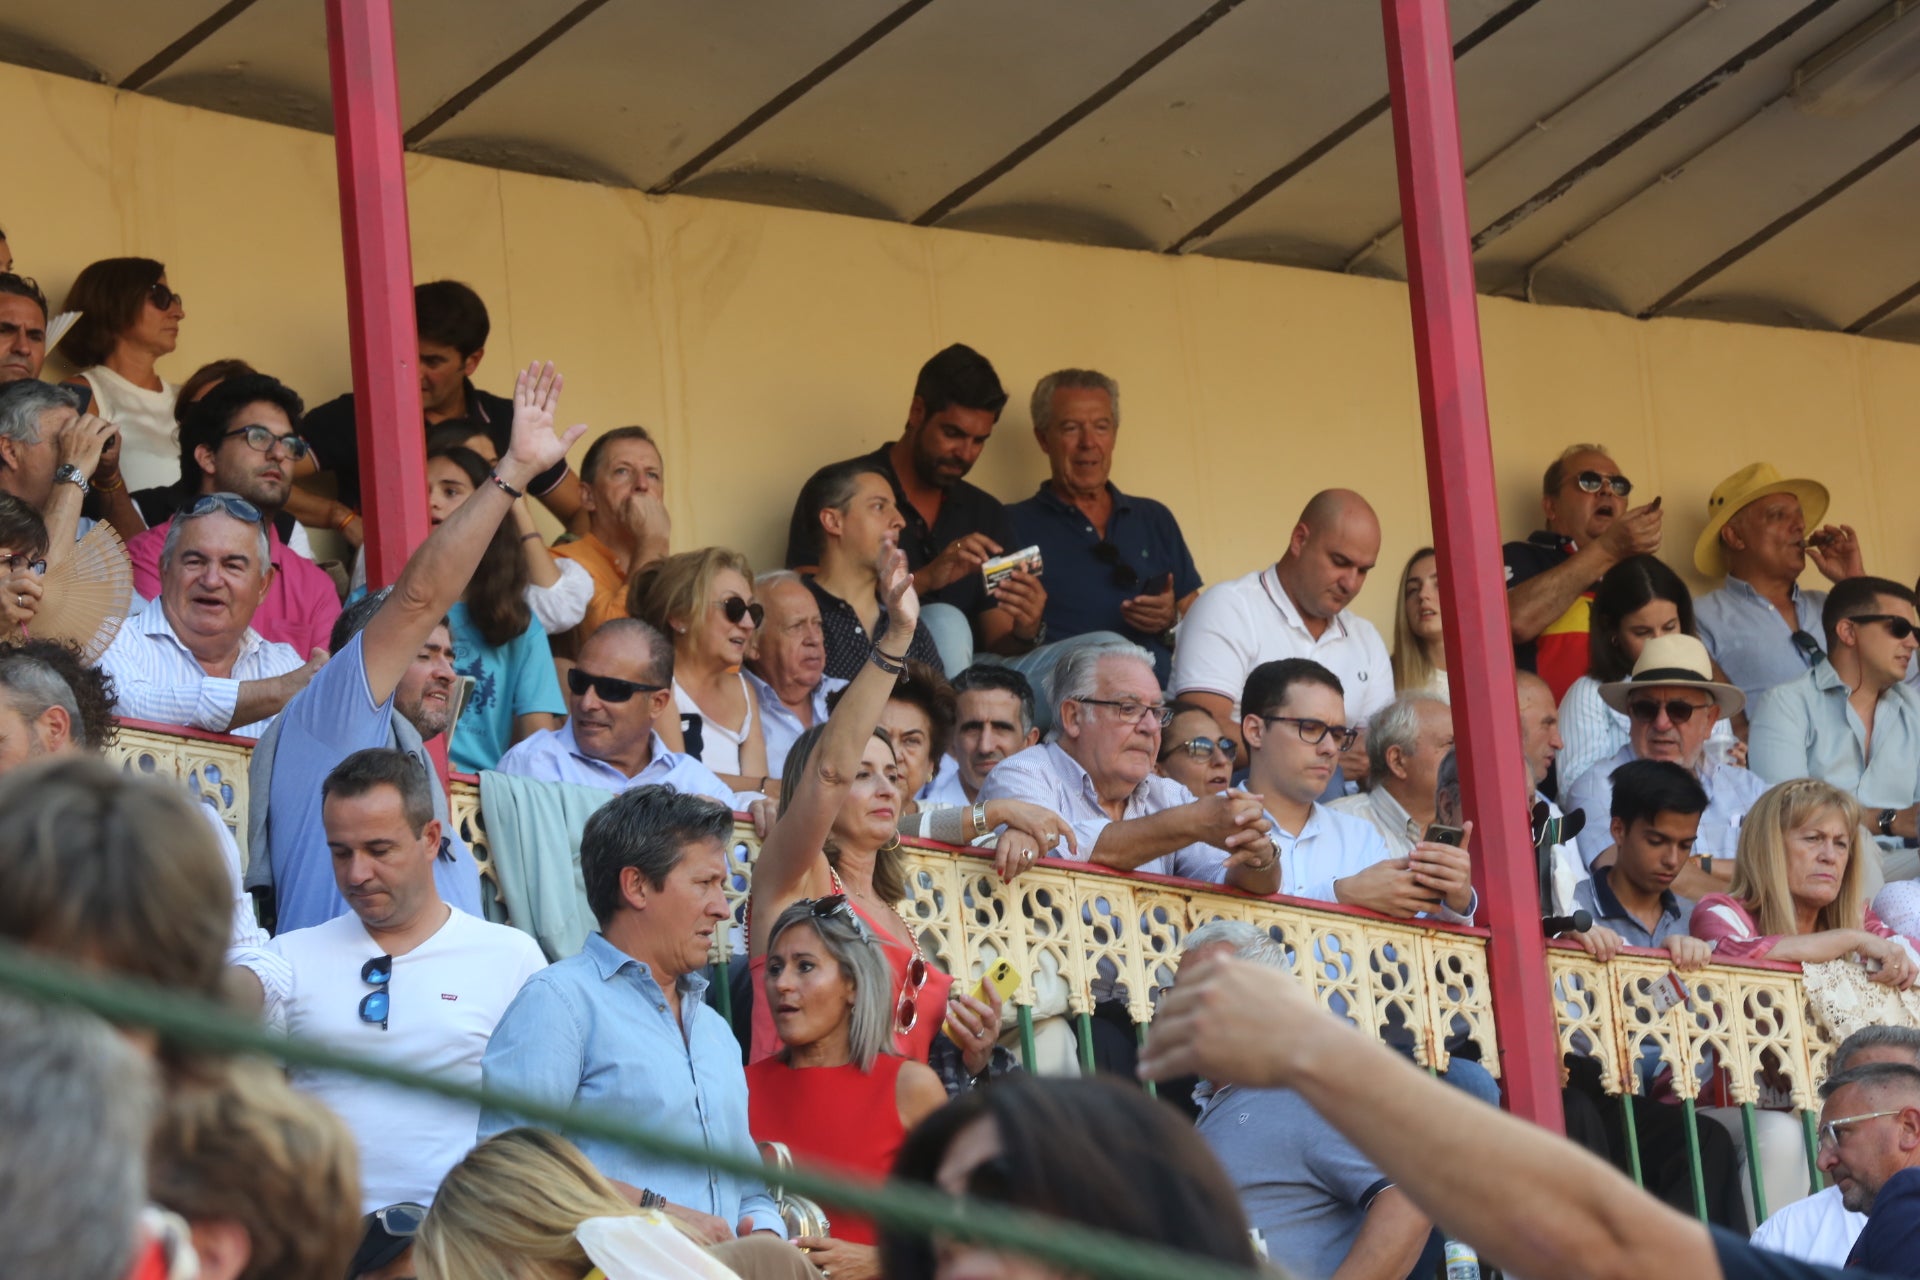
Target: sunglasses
(1125,576)
(1808,647)
(1314,732)
(1201,748)
(15,563)
(402,1219)
(1897,627)
(377,972)
(261,440)
(1647,710)
(237,507)
(736,608)
(1594,482)
(164,298)
(607,688)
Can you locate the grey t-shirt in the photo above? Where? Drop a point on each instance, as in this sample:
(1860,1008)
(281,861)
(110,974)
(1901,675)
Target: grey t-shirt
(1303,1185)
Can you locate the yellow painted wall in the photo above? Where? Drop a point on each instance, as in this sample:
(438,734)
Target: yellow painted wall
(759,343)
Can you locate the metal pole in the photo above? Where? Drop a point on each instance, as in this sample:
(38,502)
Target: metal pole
(380,325)
(1473,600)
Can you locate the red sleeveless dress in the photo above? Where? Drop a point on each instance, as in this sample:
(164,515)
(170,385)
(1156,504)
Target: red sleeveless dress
(831,1116)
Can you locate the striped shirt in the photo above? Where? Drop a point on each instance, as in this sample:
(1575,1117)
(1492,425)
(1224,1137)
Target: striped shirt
(156,677)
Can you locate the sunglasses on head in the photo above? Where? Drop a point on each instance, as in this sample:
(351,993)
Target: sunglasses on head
(1897,627)
(261,440)
(164,298)
(607,688)
(1647,710)
(400,1220)
(906,1014)
(736,608)
(234,505)
(1201,748)
(377,972)
(1594,482)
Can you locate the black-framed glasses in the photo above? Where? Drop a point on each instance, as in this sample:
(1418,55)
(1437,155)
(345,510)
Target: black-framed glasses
(1594,482)
(231,503)
(1647,710)
(1808,648)
(1201,748)
(737,608)
(607,688)
(261,440)
(1125,576)
(1897,627)
(377,1004)
(163,297)
(1131,711)
(400,1220)
(1314,732)
(13,563)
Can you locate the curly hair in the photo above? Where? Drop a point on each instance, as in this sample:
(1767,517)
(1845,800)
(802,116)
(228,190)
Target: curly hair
(497,596)
(93,693)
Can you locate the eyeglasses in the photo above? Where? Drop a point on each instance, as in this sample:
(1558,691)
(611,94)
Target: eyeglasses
(1830,1131)
(14,563)
(1594,482)
(402,1219)
(1131,711)
(1897,627)
(237,507)
(1202,747)
(906,1014)
(1809,648)
(163,297)
(736,608)
(1125,576)
(261,440)
(607,688)
(375,1005)
(1647,710)
(1314,732)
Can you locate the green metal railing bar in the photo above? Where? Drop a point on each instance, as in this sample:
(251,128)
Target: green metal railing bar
(1754,1163)
(202,1024)
(1630,1127)
(1695,1174)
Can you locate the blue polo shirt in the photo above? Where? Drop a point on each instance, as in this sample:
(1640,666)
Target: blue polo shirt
(1086,584)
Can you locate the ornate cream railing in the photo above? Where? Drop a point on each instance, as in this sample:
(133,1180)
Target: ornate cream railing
(1067,927)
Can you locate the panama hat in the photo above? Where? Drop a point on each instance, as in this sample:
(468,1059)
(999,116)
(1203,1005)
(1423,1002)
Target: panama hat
(1746,485)
(1669,661)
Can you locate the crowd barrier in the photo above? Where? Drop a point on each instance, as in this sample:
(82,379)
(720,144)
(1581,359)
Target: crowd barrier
(1744,1034)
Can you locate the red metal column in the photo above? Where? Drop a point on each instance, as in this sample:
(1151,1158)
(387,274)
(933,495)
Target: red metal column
(380,323)
(1473,598)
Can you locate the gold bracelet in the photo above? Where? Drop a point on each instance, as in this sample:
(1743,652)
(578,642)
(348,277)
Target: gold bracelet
(119,483)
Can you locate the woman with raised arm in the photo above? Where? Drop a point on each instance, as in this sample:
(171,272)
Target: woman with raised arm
(840,801)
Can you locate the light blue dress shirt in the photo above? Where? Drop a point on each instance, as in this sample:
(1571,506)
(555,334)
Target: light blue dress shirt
(595,1031)
(1807,728)
(1334,844)
(1750,640)
(778,724)
(554,755)
(1730,790)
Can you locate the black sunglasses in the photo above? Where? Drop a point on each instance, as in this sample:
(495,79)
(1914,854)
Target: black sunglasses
(1897,627)
(1125,576)
(1314,732)
(737,608)
(1201,748)
(1593,482)
(1647,710)
(234,505)
(607,688)
(163,297)
(1808,648)
(378,972)
(261,440)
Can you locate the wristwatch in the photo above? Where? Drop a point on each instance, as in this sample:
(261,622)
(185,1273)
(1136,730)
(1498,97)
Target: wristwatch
(1886,821)
(67,473)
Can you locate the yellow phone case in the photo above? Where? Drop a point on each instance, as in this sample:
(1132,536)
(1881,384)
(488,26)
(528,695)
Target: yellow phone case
(1002,976)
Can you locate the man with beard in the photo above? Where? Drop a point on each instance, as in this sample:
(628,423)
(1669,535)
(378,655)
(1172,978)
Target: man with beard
(1869,1148)
(952,527)
(244,438)
(389,683)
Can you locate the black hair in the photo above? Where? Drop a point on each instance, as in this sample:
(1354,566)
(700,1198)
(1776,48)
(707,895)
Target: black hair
(23,287)
(831,488)
(1852,597)
(213,414)
(21,527)
(1645,789)
(496,595)
(374,767)
(450,314)
(988,675)
(959,375)
(1629,587)
(1268,684)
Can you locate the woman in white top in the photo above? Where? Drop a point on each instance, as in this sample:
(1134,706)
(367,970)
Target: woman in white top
(1638,599)
(1419,653)
(129,318)
(704,601)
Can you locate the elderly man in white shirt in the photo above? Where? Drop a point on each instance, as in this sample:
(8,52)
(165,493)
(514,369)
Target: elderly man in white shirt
(787,664)
(191,657)
(1405,745)
(622,683)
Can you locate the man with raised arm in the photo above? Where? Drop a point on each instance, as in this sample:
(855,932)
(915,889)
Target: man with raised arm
(392,653)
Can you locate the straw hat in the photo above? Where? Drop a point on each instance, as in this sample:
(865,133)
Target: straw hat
(1746,485)
(1673,661)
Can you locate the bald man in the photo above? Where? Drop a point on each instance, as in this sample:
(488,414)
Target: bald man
(1297,608)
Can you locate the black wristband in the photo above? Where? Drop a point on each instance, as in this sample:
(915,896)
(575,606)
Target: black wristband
(887,662)
(506,488)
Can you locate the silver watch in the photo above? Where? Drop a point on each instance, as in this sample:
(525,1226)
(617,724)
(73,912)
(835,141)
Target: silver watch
(67,473)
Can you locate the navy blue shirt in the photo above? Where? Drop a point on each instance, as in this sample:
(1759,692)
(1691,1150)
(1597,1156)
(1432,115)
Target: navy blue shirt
(1741,1260)
(1086,584)
(1890,1242)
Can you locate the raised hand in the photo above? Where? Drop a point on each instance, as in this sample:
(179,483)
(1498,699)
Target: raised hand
(84,441)
(1636,532)
(896,588)
(535,445)
(1835,552)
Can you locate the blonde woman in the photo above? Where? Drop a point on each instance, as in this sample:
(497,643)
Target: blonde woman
(703,601)
(516,1206)
(1419,655)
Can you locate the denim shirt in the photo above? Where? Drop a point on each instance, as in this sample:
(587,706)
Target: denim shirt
(595,1031)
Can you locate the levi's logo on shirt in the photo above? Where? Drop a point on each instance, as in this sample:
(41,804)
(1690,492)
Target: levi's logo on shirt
(448,995)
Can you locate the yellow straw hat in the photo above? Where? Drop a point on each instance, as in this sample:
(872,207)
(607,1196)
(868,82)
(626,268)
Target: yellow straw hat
(1749,484)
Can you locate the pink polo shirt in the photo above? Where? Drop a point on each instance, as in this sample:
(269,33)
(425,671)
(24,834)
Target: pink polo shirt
(301,602)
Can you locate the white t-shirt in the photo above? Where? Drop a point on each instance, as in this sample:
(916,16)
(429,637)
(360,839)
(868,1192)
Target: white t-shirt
(1235,626)
(149,440)
(445,996)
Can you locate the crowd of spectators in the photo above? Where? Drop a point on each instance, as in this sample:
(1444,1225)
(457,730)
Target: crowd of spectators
(1045,679)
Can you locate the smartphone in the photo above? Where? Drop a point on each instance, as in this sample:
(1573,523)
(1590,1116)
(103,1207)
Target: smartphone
(1157,585)
(1002,977)
(1002,567)
(1440,833)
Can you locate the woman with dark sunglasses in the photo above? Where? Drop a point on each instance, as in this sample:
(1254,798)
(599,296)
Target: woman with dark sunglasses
(129,319)
(1194,752)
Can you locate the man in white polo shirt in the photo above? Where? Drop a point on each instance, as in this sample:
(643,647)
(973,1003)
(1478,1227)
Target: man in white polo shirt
(622,683)
(1297,608)
(406,979)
